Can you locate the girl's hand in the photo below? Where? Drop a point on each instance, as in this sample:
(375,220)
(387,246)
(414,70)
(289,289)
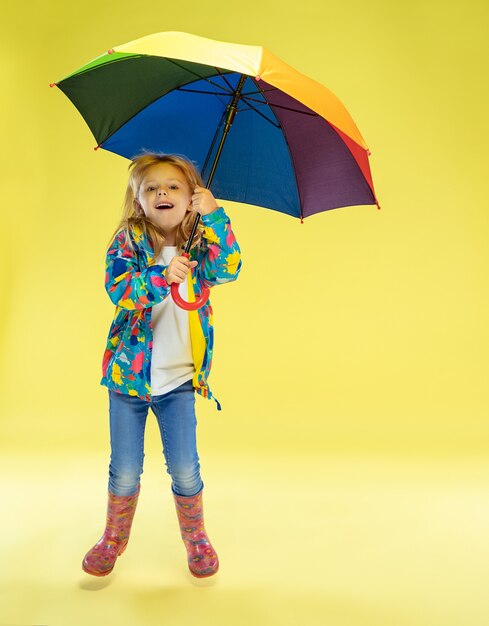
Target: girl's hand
(178,268)
(203,201)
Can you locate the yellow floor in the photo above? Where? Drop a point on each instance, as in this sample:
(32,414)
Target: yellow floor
(340,541)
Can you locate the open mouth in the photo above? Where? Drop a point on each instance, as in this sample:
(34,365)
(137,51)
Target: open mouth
(164,205)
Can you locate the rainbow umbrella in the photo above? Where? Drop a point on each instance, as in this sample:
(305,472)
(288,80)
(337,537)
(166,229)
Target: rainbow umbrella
(260,132)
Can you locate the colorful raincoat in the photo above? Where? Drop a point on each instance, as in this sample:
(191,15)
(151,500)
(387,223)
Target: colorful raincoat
(135,286)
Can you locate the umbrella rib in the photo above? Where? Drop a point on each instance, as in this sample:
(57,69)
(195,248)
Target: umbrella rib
(225,79)
(248,93)
(198,76)
(259,112)
(213,93)
(210,93)
(281,106)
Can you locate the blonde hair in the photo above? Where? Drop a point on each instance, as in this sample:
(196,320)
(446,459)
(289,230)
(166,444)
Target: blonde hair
(132,211)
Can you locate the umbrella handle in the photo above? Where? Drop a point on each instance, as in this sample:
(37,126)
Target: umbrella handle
(183,304)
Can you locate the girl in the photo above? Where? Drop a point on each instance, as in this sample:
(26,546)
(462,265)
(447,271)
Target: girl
(158,354)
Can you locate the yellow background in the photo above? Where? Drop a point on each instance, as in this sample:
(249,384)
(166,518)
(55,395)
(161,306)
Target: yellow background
(353,347)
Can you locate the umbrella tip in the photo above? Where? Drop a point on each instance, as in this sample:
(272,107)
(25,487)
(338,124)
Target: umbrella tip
(368,152)
(52,84)
(97,147)
(378,205)
(110,51)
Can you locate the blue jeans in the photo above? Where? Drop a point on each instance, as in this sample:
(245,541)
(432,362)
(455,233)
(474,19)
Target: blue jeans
(175,412)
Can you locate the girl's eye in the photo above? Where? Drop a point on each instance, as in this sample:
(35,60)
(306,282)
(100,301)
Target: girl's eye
(172,186)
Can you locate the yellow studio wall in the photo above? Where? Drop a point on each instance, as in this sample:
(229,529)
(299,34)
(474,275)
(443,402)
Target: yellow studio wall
(359,330)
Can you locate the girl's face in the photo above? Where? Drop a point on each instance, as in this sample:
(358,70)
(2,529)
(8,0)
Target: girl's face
(164,184)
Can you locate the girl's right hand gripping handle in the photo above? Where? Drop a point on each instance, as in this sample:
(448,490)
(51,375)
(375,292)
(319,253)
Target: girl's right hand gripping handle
(183,304)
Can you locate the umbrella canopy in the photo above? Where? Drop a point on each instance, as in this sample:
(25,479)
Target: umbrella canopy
(293,147)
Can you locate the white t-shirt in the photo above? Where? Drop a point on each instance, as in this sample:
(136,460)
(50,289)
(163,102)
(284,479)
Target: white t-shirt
(171,362)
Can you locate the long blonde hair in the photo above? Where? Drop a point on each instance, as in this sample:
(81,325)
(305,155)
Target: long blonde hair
(133,214)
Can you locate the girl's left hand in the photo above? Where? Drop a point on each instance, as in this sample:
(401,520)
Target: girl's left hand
(203,201)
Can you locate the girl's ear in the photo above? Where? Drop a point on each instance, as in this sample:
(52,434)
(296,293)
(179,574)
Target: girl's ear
(138,208)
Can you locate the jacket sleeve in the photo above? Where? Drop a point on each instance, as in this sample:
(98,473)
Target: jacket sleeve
(221,262)
(128,287)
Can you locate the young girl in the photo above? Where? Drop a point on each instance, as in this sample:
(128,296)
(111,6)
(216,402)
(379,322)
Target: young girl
(158,354)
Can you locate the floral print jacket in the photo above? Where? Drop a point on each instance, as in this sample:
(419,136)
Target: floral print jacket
(134,286)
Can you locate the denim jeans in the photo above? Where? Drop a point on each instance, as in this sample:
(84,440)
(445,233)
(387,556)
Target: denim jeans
(175,413)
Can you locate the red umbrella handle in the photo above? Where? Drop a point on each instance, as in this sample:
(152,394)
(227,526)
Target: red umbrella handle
(183,304)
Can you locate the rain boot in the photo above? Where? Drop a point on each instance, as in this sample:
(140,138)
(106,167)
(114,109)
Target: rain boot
(201,556)
(100,560)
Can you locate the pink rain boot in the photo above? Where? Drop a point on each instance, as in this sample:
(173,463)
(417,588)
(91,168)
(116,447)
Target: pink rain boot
(100,560)
(201,556)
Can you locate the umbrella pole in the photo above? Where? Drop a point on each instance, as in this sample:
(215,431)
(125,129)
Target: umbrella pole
(231,112)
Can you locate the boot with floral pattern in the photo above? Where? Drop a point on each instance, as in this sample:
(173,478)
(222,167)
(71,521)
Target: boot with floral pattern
(201,556)
(100,560)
